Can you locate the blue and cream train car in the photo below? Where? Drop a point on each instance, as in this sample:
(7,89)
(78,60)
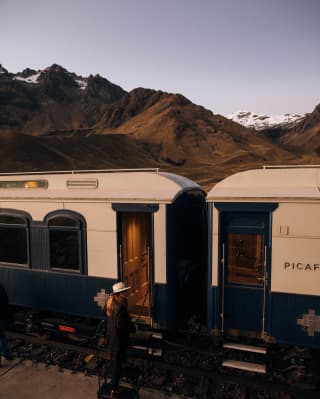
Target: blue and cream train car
(264,260)
(67,237)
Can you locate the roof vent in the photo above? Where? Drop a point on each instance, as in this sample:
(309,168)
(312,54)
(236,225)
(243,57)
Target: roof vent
(82,183)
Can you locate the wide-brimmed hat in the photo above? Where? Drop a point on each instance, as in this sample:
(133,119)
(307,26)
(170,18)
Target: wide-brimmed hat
(119,287)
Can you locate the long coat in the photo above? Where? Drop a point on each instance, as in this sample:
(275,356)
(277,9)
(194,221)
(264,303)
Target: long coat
(118,328)
(4,306)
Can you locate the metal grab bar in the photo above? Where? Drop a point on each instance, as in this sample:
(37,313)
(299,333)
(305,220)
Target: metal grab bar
(223,283)
(265,281)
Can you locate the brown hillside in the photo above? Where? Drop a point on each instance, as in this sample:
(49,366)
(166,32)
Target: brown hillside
(185,133)
(20,152)
(306,134)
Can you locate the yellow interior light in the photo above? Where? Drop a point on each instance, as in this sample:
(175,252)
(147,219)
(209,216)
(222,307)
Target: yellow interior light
(24,184)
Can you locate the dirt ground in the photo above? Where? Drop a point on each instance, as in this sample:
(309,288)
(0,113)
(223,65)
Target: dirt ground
(34,381)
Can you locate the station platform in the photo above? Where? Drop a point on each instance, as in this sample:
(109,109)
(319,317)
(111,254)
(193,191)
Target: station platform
(29,380)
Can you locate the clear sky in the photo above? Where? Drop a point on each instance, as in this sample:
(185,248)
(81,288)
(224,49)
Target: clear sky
(227,55)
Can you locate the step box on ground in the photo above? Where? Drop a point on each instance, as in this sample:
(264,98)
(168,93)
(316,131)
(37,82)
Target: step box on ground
(251,358)
(247,366)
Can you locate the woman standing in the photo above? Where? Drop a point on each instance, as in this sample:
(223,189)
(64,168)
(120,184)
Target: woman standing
(118,330)
(4,315)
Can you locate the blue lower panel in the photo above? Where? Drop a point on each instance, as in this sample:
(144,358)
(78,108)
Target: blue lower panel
(68,293)
(291,319)
(213,309)
(57,292)
(160,306)
(243,308)
(295,319)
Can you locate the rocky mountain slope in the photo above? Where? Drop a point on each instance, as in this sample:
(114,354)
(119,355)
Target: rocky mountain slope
(184,132)
(304,136)
(54,119)
(37,102)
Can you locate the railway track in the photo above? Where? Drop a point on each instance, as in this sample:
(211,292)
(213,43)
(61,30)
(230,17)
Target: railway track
(176,368)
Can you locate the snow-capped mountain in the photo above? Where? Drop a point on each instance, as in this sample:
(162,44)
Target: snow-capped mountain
(34,77)
(259,122)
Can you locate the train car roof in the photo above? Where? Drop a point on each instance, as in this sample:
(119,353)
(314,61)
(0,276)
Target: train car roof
(299,182)
(136,185)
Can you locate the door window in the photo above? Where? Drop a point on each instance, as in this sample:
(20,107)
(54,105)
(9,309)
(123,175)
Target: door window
(245,258)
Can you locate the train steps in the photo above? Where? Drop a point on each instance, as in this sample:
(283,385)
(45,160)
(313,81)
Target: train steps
(250,358)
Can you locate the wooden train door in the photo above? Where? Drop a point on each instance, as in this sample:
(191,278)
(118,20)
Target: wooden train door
(244,271)
(135,261)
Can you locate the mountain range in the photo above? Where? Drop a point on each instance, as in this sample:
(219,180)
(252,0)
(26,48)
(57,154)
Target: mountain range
(54,119)
(261,122)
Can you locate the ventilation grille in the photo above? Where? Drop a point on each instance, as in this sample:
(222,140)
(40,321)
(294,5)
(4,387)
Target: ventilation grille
(82,183)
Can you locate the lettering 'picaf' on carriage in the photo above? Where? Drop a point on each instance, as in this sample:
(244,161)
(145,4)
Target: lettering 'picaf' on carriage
(265,255)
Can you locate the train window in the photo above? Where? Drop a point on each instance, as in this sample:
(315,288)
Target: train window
(64,249)
(14,239)
(62,221)
(66,242)
(245,258)
(9,219)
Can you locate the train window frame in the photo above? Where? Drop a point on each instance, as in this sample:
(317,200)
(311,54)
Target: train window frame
(26,222)
(78,226)
(237,274)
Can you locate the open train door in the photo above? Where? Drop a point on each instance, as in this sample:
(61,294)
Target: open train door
(135,262)
(244,271)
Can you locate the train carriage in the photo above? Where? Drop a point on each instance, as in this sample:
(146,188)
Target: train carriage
(67,237)
(264,255)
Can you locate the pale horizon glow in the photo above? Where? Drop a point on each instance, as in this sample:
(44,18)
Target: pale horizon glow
(226,55)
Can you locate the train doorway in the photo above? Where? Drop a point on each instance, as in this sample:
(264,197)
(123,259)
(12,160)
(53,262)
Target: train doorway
(244,271)
(135,262)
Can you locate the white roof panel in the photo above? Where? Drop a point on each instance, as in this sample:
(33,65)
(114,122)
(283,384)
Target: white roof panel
(269,183)
(124,186)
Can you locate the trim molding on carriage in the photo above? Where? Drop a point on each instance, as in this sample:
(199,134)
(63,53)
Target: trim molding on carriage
(246,206)
(135,207)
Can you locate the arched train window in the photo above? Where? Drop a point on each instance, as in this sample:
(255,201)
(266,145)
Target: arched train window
(14,237)
(67,241)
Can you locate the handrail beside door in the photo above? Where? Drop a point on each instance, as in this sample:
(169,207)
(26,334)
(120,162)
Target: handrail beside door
(265,282)
(223,285)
